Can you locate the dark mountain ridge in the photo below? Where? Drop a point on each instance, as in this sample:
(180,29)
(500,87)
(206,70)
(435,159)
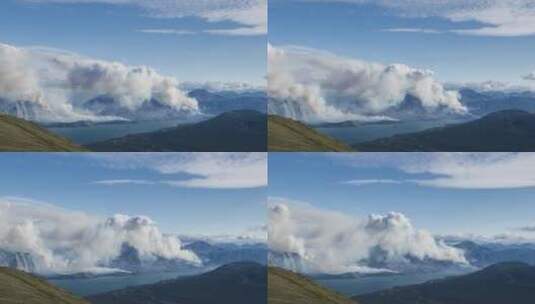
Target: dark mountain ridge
(236,283)
(509,282)
(237,131)
(508,130)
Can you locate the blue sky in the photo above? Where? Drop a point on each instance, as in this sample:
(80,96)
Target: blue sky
(470,41)
(171,38)
(108,184)
(447,194)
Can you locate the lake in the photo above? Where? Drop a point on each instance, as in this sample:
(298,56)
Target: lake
(90,134)
(369,132)
(356,286)
(88,286)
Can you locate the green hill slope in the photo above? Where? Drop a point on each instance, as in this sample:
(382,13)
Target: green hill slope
(237,283)
(289,135)
(285,287)
(508,131)
(21,135)
(496,284)
(237,131)
(17,287)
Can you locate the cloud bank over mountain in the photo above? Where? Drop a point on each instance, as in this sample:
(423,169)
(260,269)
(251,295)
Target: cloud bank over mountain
(333,242)
(62,241)
(56,84)
(315,86)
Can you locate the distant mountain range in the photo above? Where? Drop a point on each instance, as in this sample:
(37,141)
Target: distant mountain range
(236,283)
(477,102)
(130,260)
(493,277)
(480,103)
(508,131)
(151,109)
(210,103)
(383,264)
(216,254)
(497,284)
(290,135)
(285,287)
(238,131)
(485,254)
(20,287)
(500,121)
(216,103)
(478,255)
(212,254)
(20,135)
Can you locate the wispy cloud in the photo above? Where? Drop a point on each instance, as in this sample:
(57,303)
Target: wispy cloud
(112,182)
(457,170)
(250,16)
(529,228)
(195,170)
(241,31)
(413,30)
(167,31)
(499,18)
(530,76)
(364,182)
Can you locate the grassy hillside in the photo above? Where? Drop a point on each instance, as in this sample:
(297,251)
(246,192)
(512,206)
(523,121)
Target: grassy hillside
(20,135)
(237,131)
(496,284)
(285,287)
(17,287)
(237,283)
(289,135)
(507,131)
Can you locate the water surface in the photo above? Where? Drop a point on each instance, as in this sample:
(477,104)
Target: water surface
(90,134)
(363,285)
(88,286)
(369,132)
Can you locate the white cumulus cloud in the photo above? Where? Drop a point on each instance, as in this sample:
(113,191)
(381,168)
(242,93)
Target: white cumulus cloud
(59,82)
(314,86)
(63,241)
(333,242)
